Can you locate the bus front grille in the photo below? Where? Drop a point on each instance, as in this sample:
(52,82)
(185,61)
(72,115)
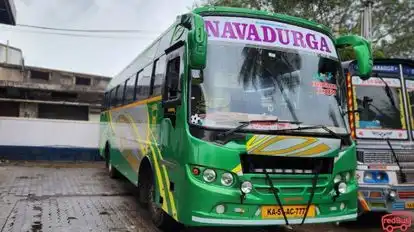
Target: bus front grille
(384,157)
(285,165)
(295,186)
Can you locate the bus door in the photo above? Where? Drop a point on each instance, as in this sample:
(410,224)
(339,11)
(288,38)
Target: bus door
(172,122)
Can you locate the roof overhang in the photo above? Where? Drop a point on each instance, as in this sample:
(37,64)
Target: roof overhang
(7,12)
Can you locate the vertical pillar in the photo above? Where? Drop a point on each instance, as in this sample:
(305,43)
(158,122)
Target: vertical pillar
(28,110)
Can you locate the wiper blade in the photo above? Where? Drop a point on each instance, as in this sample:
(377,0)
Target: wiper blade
(402,173)
(276,194)
(388,92)
(331,132)
(244,124)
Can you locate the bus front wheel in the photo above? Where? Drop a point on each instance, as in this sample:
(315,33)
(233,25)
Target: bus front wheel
(147,197)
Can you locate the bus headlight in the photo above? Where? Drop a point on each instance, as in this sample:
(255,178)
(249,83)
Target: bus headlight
(246,187)
(342,187)
(368,176)
(337,179)
(347,176)
(227,179)
(209,175)
(392,194)
(380,176)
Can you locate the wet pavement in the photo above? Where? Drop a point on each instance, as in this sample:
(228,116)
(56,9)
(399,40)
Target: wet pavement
(62,197)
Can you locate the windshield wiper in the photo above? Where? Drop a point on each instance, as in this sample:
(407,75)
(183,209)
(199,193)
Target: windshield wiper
(388,92)
(331,132)
(276,194)
(243,124)
(403,176)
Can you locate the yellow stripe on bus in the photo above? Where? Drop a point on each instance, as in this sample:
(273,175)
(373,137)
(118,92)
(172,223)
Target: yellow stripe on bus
(167,180)
(136,103)
(402,117)
(157,169)
(157,165)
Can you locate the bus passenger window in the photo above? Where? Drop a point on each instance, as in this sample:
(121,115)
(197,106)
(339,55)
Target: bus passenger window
(104,104)
(113,96)
(159,76)
(173,77)
(129,90)
(144,81)
(120,94)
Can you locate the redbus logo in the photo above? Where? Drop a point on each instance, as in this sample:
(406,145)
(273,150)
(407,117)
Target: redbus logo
(396,220)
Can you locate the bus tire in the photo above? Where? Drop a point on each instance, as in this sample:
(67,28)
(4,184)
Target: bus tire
(158,216)
(143,185)
(112,172)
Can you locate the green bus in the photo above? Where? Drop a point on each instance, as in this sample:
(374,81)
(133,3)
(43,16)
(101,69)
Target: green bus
(234,117)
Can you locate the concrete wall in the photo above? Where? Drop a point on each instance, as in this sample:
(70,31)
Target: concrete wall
(15,75)
(10,55)
(45,139)
(93,117)
(50,133)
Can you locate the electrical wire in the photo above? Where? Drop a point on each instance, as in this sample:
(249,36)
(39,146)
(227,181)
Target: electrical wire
(18,30)
(87,30)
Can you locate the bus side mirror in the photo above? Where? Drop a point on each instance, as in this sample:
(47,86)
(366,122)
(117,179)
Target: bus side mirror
(197,43)
(363,53)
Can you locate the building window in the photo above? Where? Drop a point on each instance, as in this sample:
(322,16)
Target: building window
(83,81)
(39,75)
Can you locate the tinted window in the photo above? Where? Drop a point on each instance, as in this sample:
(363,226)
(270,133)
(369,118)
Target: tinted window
(144,81)
(104,101)
(113,96)
(129,90)
(120,94)
(159,76)
(173,75)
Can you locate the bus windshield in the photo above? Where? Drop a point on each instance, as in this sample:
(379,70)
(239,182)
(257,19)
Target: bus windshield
(377,109)
(245,82)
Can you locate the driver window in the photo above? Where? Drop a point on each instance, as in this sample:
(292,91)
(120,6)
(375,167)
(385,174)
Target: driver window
(198,101)
(173,78)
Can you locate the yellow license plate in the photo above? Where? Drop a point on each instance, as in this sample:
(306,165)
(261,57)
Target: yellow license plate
(291,211)
(409,205)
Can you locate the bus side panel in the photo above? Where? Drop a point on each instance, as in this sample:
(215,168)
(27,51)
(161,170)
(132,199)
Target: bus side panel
(104,131)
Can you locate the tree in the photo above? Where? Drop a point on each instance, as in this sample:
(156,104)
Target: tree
(392,32)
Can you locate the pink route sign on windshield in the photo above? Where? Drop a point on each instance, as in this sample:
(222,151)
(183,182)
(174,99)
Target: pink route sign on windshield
(268,33)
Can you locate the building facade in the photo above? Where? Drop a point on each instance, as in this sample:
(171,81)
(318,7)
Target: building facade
(34,92)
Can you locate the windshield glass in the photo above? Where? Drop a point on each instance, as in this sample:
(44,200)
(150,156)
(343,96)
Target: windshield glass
(243,82)
(378,111)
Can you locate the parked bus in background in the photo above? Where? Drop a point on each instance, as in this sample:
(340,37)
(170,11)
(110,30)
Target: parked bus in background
(231,118)
(381,120)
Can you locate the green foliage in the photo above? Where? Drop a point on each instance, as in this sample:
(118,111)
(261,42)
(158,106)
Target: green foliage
(393,20)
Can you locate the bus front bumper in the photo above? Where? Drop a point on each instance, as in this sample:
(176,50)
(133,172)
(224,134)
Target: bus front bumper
(377,197)
(247,222)
(213,205)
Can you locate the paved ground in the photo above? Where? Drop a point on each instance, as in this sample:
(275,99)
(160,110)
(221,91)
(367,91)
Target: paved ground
(80,197)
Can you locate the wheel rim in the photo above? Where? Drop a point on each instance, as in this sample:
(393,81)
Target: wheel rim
(156,212)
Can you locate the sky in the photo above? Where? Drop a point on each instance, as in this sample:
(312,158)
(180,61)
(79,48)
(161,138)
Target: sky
(105,56)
